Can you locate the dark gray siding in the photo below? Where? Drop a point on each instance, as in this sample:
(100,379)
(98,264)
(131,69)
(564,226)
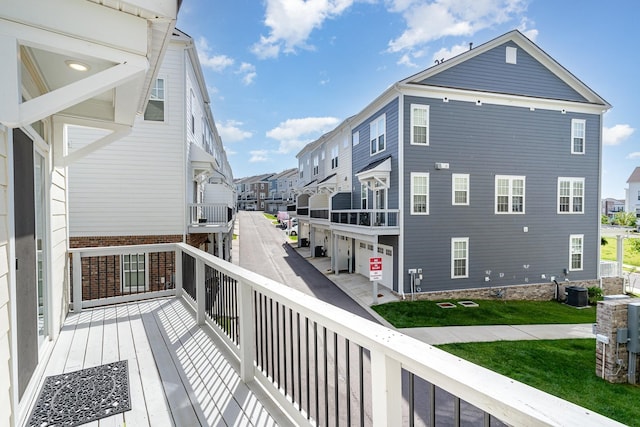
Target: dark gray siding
(360,155)
(483,141)
(490,72)
(341,201)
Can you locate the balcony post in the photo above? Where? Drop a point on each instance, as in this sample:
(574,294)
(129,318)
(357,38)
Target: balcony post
(201,293)
(177,277)
(77,282)
(247,332)
(386,390)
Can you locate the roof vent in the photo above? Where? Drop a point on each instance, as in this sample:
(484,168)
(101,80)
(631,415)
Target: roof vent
(511,55)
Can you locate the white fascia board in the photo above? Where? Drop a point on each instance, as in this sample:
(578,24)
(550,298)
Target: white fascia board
(83,20)
(67,96)
(452,94)
(165,8)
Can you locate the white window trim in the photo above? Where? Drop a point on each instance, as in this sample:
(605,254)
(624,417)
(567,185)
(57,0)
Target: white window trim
(421,107)
(125,288)
(382,117)
(364,195)
(584,137)
(414,175)
(454,240)
(453,188)
(571,181)
(511,178)
(581,237)
(164,101)
(335,150)
(355,138)
(316,166)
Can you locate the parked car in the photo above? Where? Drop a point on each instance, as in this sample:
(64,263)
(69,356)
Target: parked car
(250,208)
(293,231)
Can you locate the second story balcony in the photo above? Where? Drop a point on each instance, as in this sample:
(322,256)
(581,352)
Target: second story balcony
(210,217)
(377,221)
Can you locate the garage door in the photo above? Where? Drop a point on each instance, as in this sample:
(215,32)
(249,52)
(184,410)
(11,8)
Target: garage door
(365,251)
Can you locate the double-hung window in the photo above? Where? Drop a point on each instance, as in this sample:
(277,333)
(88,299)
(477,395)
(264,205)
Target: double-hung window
(459,257)
(570,195)
(460,189)
(419,193)
(316,168)
(192,99)
(510,194)
(355,138)
(155,107)
(419,124)
(376,135)
(577,136)
(334,157)
(133,273)
(576,248)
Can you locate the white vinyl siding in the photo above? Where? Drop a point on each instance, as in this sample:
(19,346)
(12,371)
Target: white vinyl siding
(459,257)
(155,111)
(578,130)
(570,195)
(576,248)
(419,124)
(510,194)
(460,189)
(377,130)
(419,193)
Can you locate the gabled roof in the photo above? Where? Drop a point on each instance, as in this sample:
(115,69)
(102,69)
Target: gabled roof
(529,47)
(371,166)
(635,176)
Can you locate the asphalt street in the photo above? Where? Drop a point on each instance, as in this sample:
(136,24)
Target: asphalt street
(264,250)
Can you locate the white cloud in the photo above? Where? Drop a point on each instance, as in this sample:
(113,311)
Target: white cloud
(248,72)
(294,134)
(230,131)
(530,33)
(291,23)
(616,134)
(258,156)
(208,60)
(440,18)
(230,152)
(634,155)
(445,53)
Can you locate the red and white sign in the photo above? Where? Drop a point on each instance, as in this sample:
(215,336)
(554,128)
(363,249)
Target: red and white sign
(375,268)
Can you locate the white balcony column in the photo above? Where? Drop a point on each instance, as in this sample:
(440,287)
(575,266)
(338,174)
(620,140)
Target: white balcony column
(386,390)
(247,331)
(219,239)
(312,239)
(77,282)
(177,278)
(334,254)
(201,293)
(620,254)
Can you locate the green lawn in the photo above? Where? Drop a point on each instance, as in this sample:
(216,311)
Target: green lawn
(629,256)
(408,314)
(564,368)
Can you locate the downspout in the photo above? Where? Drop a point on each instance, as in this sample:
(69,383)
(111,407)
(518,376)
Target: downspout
(400,251)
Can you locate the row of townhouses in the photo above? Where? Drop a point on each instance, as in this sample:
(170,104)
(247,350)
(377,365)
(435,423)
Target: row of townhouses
(107,139)
(632,193)
(270,192)
(481,171)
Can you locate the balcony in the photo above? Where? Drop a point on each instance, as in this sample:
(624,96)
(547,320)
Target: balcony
(375,221)
(210,218)
(227,344)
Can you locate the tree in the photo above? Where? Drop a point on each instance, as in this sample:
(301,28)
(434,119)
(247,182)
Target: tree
(604,219)
(626,219)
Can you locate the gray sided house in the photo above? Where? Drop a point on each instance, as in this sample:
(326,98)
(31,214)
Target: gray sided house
(493,158)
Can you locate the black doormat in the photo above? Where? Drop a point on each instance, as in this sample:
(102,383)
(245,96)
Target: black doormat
(82,396)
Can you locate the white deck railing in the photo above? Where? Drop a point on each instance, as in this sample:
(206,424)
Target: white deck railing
(210,214)
(326,366)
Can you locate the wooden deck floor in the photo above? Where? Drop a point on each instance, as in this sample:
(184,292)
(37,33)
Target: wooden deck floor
(177,375)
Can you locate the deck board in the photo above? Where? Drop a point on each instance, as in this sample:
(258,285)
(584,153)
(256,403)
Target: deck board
(177,375)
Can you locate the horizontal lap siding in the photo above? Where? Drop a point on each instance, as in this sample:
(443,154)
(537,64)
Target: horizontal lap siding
(483,141)
(490,72)
(361,153)
(134,185)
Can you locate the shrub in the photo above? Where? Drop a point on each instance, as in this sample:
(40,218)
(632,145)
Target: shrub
(595,295)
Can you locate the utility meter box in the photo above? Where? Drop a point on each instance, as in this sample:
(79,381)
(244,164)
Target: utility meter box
(633,318)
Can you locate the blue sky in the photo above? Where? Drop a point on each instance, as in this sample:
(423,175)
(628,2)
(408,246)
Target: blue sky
(280,73)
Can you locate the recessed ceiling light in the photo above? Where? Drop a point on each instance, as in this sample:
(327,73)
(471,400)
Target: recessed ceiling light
(77,65)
